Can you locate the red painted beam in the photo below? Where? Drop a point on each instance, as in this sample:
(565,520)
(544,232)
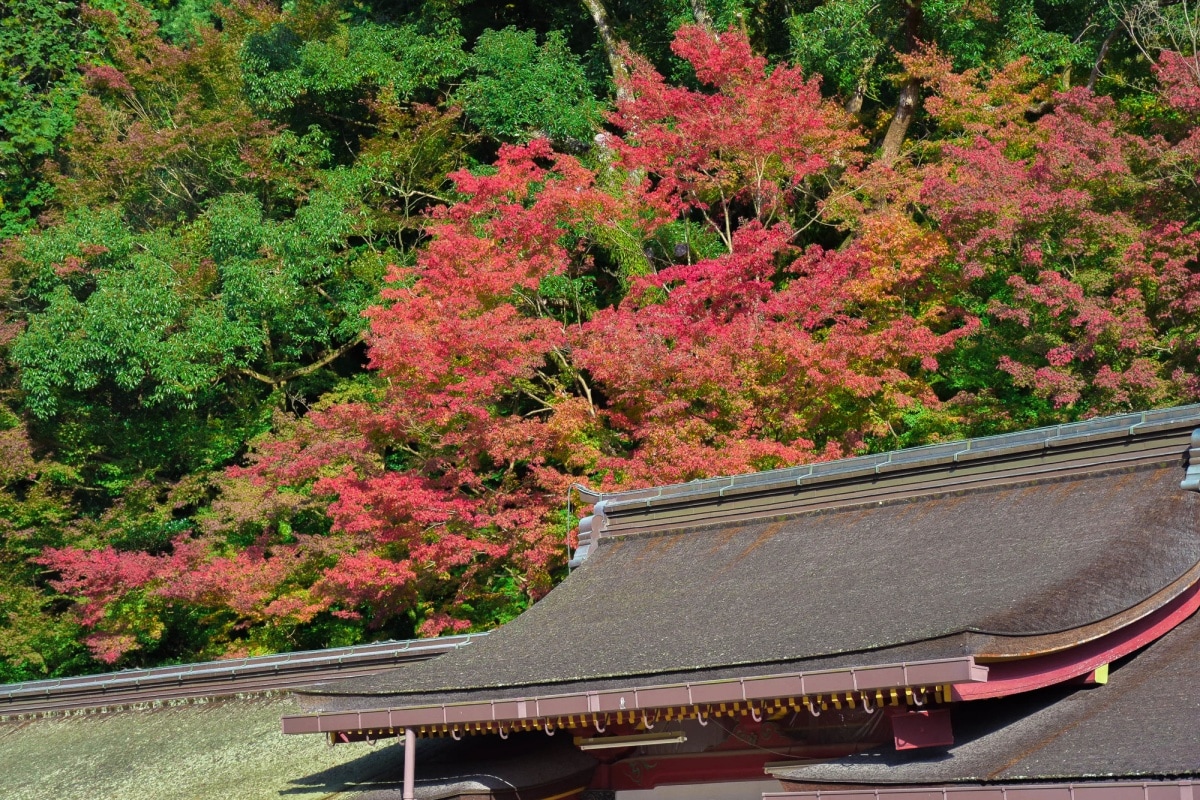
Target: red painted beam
(647,772)
(1024,675)
(914,729)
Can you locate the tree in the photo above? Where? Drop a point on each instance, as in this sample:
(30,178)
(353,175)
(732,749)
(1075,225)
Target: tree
(201,267)
(858,47)
(299,353)
(505,381)
(756,146)
(521,91)
(41,46)
(1082,265)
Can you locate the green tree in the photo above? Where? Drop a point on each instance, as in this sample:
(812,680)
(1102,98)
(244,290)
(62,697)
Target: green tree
(520,90)
(41,46)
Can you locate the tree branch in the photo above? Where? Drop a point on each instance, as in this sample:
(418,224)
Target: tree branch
(300,372)
(1095,74)
(583,385)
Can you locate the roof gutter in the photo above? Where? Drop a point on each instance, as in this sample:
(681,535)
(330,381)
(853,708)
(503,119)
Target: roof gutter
(702,696)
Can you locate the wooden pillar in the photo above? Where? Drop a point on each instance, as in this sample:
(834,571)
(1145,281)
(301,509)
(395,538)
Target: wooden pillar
(410,765)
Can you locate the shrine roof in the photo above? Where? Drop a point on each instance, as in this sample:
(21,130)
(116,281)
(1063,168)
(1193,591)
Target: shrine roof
(1142,723)
(1034,542)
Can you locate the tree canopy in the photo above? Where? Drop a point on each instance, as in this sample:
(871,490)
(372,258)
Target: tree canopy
(315,313)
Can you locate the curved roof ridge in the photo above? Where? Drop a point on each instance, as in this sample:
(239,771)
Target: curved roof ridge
(1073,434)
(1115,441)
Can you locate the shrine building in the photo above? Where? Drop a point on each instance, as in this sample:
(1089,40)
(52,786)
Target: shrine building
(1003,618)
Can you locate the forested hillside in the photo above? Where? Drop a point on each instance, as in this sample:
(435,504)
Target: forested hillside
(314,313)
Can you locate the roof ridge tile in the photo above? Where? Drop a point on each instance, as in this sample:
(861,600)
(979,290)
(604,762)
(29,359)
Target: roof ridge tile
(1085,432)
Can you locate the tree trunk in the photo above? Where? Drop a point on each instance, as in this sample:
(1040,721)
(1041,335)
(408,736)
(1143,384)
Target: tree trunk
(910,94)
(701,15)
(1091,84)
(855,103)
(898,128)
(612,47)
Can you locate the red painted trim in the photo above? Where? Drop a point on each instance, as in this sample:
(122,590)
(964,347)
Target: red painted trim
(649,771)
(1107,790)
(1013,677)
(915,729)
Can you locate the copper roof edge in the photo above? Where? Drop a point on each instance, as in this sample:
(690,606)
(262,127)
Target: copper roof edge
(945,455)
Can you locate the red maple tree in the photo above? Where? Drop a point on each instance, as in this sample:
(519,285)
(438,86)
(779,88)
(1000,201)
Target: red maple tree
(733,284)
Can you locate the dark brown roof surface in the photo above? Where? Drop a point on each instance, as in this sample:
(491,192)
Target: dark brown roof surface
(1145,722)
(857,583)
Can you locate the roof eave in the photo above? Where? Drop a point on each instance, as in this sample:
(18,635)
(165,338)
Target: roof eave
(849,680)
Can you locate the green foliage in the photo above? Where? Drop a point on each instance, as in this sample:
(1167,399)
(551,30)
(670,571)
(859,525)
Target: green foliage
(36,642)
(183,20)
(199,200)
(520,90)
(572,300)
(41,46)
(853,43)
(842,42)
(172,324)
(133,339)
(281,67)
(1024,34)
